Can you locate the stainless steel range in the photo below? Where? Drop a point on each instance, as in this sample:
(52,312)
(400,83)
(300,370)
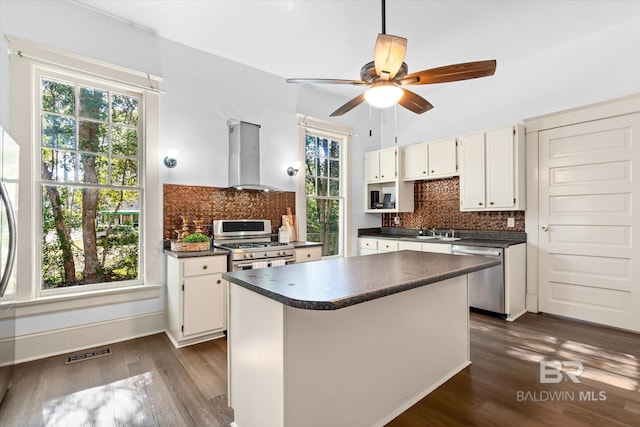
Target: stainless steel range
(249,244)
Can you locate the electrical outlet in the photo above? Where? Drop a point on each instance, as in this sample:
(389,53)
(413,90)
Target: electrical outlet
(511,222)
(396,220)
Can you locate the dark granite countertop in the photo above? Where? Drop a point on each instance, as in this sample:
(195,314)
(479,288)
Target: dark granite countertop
(494,239)
(337,283)
(299,244)
(210,252)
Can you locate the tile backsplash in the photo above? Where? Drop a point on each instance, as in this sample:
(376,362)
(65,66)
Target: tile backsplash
(437,205)
(209,203)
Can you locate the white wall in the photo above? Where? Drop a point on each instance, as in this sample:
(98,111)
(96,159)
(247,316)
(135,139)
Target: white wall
(203,91)
(594,68)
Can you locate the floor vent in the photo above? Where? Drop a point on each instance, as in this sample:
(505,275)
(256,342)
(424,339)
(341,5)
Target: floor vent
(88,355)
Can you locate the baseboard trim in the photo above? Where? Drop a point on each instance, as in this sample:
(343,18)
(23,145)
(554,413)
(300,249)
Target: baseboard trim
(66,340)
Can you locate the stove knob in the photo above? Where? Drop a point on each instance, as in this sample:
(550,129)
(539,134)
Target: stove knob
(246,255)
(266,254)
(251,255)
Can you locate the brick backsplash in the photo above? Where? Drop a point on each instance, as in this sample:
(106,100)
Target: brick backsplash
(437,205)
(209,203)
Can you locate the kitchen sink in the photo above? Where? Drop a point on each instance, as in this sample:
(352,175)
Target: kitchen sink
(449,239)
(426,237)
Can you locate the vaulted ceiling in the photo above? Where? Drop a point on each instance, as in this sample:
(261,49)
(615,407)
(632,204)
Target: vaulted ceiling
(334,38)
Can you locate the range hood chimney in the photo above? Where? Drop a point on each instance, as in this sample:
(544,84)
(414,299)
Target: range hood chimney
(244,157)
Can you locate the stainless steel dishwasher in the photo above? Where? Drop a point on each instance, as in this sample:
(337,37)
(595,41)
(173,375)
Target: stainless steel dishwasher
(486,287)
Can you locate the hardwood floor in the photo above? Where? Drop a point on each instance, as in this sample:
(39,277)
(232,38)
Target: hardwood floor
(147,382)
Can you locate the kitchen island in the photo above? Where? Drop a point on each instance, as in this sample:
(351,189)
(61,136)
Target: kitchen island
(346,342)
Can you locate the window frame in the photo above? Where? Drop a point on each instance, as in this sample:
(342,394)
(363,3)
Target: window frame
(343,134)
(25,56)
(78,80)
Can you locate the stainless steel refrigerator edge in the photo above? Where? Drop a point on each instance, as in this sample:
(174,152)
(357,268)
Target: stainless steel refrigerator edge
(9,160)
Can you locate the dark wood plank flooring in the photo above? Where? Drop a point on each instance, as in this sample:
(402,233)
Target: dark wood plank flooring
(147,382)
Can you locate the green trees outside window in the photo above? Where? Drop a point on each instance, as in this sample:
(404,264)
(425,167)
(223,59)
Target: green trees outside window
(90,169)
(323,192)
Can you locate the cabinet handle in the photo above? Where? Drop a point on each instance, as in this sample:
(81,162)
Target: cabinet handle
(308,255)
(491,203)
(219,281)
(480,203)
(432,171)
(424,172)
(376,176)
(382,176)
(545,228)
(204,267)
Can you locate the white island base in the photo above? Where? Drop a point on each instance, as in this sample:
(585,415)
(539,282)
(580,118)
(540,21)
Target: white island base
(361,365)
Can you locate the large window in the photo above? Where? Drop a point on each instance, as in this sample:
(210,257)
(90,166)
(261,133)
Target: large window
(90,158)
(324,177)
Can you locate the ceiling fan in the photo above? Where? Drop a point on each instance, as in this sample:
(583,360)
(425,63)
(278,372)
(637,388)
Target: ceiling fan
(388,73)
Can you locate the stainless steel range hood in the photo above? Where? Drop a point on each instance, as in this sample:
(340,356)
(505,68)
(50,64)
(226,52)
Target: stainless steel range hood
(244,157)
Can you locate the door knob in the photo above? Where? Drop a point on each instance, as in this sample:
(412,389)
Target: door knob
(545,228)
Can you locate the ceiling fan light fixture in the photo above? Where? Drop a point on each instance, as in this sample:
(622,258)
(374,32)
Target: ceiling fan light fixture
(383,96)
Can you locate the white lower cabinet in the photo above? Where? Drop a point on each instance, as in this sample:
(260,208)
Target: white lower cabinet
(196,299)
(368,246)
(308,254)
(441,248)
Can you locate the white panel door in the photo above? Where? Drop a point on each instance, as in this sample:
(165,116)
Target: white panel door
(586,236)
(472,167)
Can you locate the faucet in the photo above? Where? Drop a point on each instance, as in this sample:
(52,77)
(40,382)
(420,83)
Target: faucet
(433,232)
(453,233)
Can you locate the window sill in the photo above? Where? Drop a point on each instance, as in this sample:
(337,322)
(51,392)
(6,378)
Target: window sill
(86,299)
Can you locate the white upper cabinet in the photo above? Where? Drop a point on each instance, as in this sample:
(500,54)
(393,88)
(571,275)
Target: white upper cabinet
(385,191)
(472,172)
(430,160)
(492,170)
(380,165)
(372,166)
(442,158)
(416,162)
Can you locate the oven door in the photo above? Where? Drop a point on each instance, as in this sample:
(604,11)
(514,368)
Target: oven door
(265,263)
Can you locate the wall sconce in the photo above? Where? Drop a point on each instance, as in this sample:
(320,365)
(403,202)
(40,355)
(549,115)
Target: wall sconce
(293,170)
(170,159)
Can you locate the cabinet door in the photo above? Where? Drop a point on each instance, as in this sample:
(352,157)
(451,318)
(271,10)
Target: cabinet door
(500,173)
(204,304)
(442,158)
(313,253)
(409,246)
(388,164)
(372,166)
(415,162)
(364,251)
(472,170)
(387,245)
(440,248)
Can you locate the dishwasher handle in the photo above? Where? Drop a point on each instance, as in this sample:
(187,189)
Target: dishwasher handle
(492,252)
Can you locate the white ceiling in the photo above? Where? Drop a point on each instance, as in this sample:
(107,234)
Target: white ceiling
(334,38)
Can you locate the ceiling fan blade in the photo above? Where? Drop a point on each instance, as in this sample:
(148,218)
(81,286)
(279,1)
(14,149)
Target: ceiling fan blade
(349,105)
(329,81)
(414,102)
(451,73)
(389,54)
